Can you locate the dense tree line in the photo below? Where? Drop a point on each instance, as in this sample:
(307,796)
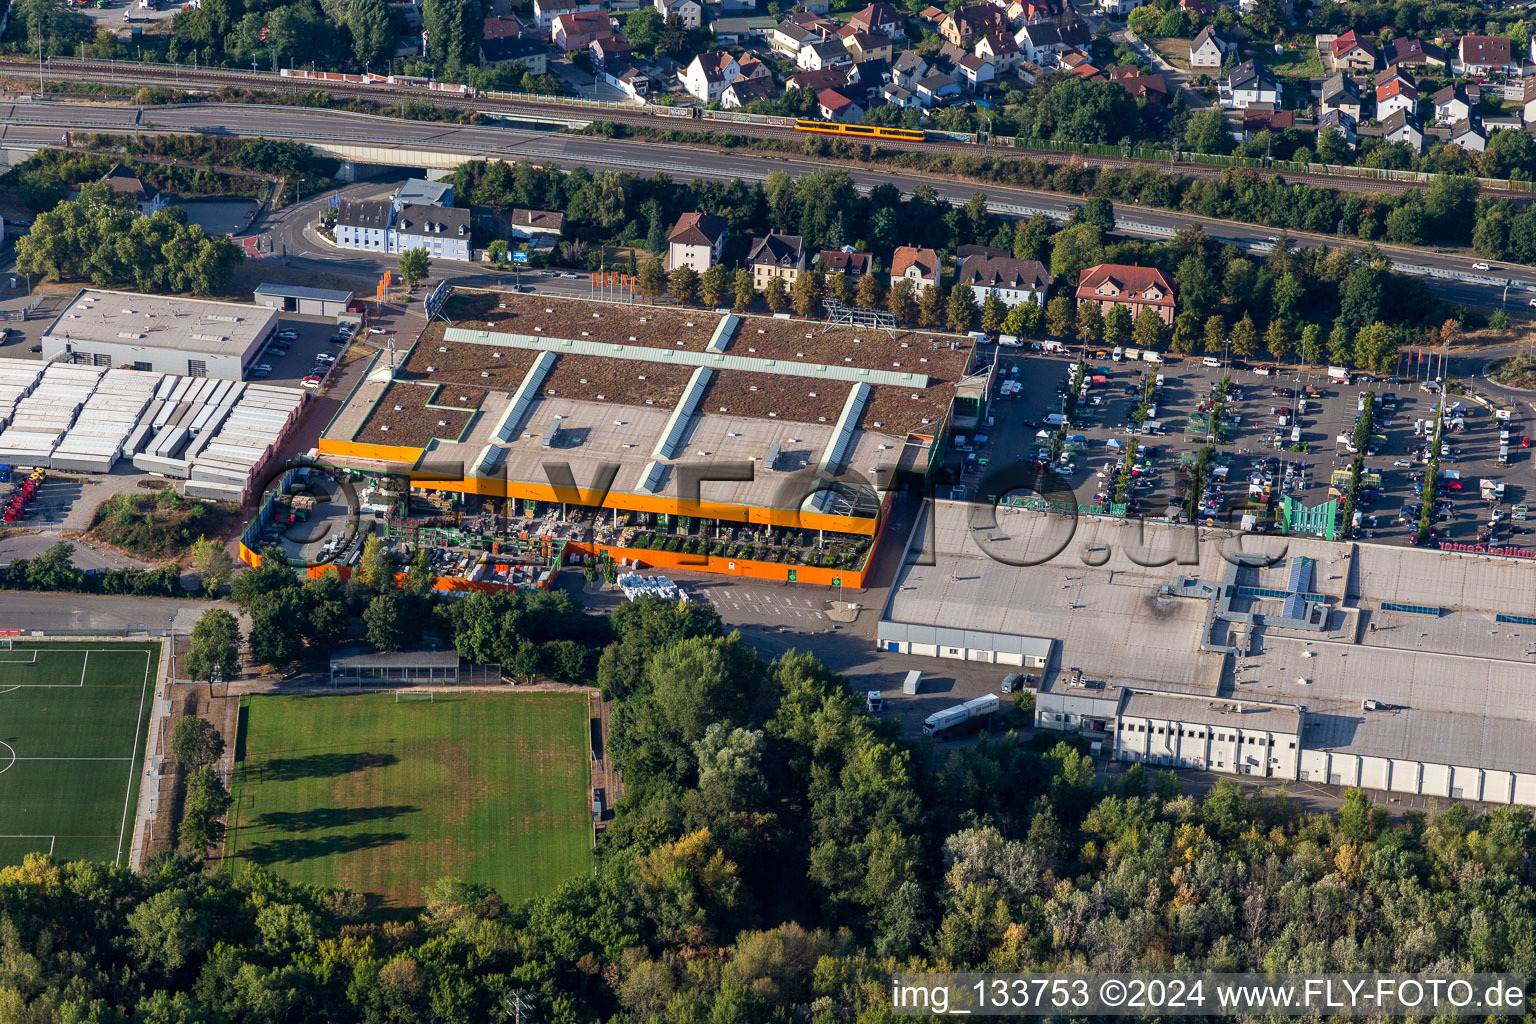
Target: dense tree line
(103,239)
(55,569)
(778,854)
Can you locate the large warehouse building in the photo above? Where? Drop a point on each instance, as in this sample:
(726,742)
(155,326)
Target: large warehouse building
(1389,668)
(187,337)
(758,446)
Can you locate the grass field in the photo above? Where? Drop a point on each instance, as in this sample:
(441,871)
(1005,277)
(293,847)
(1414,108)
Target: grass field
(385,798)
(73,719)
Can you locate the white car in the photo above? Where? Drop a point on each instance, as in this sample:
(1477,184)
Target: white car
(309,382)
(324,357)
(288,335)
(1480,266)
(379,330)
(263,367)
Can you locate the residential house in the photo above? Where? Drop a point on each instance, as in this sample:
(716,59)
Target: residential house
(1118,8)
(1255,121)
(908,67)
(898,96)
(1528,101)
(935,88)
(787,38)
(1250,84)
(1451,105)
(1032,12)
(504,41)
(707,75)
(1001,50)
(537,224)
(362,224)
(975,72)
(689,12)
(776,256)
(1349,52)
(1208,50)
(882,18)
(577,31)
(740,31)
(1151,88)
(749,90)
(1469,136)
(1340,93)
(1402,126)
(546,11)
(1013,281)
(1484,55)
(612,51)
(1341,124)
(968,24)
(125,182)
(932,17)
(1029,72)
(820,56)
(845,261)
(1414,54)
(1136,288)
(421,192)
(920,266)
(697,240)
(1041,42)
(1075,31)
(839,105)
(948,53)
(863,46)
(441,230)
(1396,93)
(828,78)
(749,68)
(626,78)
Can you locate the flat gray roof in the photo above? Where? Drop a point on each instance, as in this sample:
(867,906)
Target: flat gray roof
(162,321)
(1236,714)
(977,639)
(298,291)
(1460,681)
(398,659)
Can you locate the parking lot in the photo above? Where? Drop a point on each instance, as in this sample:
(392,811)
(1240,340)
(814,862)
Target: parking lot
(1283,433)
(301,345)
(114,14)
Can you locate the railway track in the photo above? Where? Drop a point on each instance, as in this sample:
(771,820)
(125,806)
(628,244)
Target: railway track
(194,79)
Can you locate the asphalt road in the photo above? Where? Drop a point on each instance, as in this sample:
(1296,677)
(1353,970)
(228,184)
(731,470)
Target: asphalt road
(36,122)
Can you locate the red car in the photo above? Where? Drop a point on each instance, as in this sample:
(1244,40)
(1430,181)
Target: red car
(1525,442)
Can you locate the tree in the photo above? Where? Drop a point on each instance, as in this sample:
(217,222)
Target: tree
(715,285)
(930,307)
(1277,338)
(993,313)
(685,285)
(1245,336)
(841,288)
(960,310)
(745,294)
(1060,317)
(273,639)
(902,301)
(213,564)
(414,266)
(1215,336)
(1024,319)
(1206,132)
(1186,332)
(375,567)
(195,742)
(870,292)
(453,32)
(373,36)
(656,234)
(776,295)
(1074,249)
(388,619)
(809,288)
(205,803)
(1090,322)
(1117,325)
(214,652)
(1311,348)
(1100,213)
(652,279)
(1148,329)
(1341,344)
(1450,331)
(1331,147)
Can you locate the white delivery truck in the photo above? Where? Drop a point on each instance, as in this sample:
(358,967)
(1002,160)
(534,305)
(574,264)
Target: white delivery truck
(912,683)
(971,710)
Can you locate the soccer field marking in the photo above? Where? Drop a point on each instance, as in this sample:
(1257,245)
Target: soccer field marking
(52,840)
(11,763)
(84,666)
(21,661)
(137,731)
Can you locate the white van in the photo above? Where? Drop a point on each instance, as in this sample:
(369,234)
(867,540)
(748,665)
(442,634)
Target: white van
(1118,355)
(1211,361)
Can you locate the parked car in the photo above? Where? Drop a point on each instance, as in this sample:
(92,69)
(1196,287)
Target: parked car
(377,330)
(288,334)
(309,382)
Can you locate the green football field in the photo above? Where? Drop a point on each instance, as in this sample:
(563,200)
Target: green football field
(73,719)
(385,798)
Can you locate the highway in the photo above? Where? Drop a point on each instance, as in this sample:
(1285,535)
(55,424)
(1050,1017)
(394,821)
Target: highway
(31,123)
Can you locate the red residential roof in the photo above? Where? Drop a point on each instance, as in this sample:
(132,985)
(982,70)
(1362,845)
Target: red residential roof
(906,256)
(1130,282)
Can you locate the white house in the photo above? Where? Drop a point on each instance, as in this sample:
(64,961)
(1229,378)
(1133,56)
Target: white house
(1402,127)
(821,55)
(1250,84)
(1451,106)
(920,266)
(691,12)
(697,241)
(708,74)
(976,72)
(441,230)
(1468,136)
(546,11)
(1207,50)
(1013,281)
